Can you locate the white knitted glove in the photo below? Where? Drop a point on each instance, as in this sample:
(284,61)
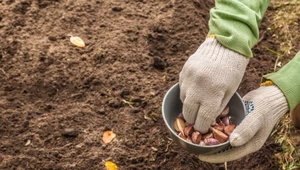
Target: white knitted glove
(265,106)
(208,80)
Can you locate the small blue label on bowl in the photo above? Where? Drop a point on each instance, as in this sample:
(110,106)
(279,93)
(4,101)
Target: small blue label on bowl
(249,105)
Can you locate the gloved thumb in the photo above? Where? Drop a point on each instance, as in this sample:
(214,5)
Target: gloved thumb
(265,106)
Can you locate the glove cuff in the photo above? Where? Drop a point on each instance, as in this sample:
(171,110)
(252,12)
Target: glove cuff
(216,52)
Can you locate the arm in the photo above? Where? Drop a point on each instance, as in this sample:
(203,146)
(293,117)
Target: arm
(213,73)
(236,23)
(270,101)
(288,80)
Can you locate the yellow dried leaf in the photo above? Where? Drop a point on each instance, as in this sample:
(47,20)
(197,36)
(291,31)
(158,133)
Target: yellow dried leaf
(110,165)
(108,136)
(77,41)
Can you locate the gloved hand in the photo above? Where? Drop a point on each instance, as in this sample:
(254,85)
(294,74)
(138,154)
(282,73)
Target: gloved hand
(208,80)
(265,106)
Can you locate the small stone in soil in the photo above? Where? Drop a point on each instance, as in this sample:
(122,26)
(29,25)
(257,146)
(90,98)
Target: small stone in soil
(69,132)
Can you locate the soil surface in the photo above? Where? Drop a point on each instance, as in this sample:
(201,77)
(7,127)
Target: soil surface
(56,100)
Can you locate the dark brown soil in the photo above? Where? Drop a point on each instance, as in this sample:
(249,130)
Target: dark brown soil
(135,51)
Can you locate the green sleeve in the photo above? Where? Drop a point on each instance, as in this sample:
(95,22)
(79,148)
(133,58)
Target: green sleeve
(235,23)
(288,80)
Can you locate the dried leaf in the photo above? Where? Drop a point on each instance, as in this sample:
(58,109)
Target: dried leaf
(108,136)
(77,41)
(110,166)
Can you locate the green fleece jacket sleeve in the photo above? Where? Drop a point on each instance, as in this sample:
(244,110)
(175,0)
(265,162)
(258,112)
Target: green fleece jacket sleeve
(288,80)
(235,23)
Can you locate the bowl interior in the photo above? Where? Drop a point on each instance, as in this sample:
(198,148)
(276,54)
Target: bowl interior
(172,107)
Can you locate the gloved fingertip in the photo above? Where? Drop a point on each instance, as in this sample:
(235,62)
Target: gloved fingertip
(204,131)
(202,128)
(236,140)
(190,111)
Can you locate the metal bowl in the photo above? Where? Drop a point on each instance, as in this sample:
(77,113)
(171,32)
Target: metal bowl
(172,107)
